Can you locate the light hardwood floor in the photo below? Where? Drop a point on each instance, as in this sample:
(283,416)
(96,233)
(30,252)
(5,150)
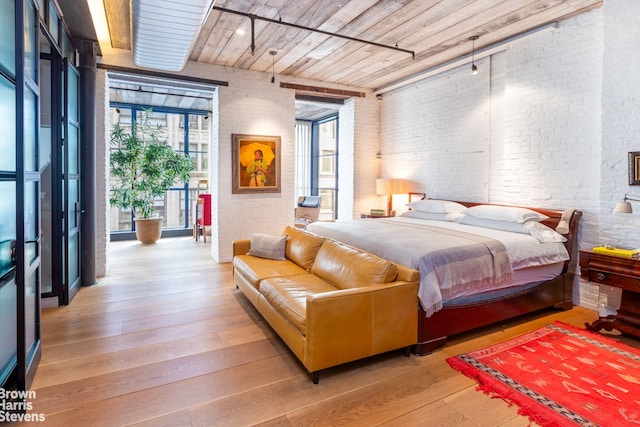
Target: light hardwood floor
(166,340)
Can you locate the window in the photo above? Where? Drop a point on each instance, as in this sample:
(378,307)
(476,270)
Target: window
(317,163)
(176,205)
(328,165)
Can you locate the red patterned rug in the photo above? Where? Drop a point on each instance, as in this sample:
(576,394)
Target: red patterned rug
(561,375)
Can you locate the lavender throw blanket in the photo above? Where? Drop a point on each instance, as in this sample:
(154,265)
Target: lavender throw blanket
(449,261)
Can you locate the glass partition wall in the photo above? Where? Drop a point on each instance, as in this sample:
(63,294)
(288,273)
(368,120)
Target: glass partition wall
(38,116)
(20,250)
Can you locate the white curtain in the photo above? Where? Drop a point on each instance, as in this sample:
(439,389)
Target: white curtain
(303,159)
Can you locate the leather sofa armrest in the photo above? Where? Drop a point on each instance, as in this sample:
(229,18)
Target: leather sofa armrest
(407,274)
(349,324)
(241,247)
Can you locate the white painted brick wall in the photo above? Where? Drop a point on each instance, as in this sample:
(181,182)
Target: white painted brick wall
(620,122)
(251,104)
(358,167)
(346,159)
(547,122)
(102,174)
(435,133)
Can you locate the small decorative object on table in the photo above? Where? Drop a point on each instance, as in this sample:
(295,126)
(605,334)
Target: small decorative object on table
(376,213)
(617,251)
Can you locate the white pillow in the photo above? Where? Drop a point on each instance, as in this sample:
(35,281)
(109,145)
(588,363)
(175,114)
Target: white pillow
(514,227)
(436,206)
(431,215)
(267,246)
(541,232)
(504,213)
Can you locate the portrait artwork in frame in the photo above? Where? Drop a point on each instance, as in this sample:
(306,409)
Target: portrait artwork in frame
(256,163)
(634,168)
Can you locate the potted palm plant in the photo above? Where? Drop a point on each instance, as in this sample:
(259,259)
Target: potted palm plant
(143,168)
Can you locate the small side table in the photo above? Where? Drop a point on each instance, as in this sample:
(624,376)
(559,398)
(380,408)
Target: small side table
(620,272)
(366,215)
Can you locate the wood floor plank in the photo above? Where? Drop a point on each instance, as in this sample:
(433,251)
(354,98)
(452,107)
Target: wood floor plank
(435,414)
(229,325)
(92,390)
(381,402)
(166,339)
(88,366)
(175,419)
(167,399)
(473,404)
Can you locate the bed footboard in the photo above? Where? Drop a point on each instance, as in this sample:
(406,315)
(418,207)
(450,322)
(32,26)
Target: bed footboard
(433,331)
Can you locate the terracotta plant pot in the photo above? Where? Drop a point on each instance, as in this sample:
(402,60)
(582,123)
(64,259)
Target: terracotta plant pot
(148,231)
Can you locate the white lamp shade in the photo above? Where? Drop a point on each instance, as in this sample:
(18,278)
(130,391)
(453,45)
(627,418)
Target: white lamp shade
(623,207)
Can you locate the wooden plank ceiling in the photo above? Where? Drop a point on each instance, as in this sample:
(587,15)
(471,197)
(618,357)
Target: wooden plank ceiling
(437,31)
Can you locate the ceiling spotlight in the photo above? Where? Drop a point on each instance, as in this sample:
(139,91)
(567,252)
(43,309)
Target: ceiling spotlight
(474,69)
(273,54)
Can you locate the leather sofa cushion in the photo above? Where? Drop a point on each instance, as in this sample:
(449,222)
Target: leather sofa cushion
(254,269)
(347,267)
(302,247)
(288,295)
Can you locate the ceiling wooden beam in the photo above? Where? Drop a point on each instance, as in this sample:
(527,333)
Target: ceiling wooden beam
(326,92)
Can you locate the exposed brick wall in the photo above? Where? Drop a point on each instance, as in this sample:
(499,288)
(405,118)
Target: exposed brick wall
(366,167)
(102,175)
(620,123)
(251,105)
(435,133)
(546,122)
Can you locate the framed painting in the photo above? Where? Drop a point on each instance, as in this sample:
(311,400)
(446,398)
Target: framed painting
(634,168)
(256,163)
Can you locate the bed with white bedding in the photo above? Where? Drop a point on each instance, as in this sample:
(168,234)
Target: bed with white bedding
(472,270)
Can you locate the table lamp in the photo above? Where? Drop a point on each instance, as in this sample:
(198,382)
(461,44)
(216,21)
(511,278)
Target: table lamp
(391,187)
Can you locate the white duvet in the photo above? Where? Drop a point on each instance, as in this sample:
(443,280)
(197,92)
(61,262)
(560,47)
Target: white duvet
(406,240)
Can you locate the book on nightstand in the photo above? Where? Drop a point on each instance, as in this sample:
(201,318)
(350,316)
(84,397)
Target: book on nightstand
(622,252)
(377,212)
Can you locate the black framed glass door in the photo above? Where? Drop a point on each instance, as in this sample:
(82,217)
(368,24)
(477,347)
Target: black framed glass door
(71,182)
(60,176)
(28,196)
(8,209)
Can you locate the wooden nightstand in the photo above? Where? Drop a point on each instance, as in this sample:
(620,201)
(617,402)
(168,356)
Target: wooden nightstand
(620,272)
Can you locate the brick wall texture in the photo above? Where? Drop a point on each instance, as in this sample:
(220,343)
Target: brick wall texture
(548,121)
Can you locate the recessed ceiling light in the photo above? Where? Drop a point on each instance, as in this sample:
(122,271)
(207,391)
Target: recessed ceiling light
(240,32)
(99,18)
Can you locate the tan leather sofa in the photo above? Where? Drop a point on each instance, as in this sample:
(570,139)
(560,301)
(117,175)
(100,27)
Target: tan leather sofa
(329,302)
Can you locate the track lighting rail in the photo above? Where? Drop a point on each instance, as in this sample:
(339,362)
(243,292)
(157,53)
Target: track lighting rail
(302,27)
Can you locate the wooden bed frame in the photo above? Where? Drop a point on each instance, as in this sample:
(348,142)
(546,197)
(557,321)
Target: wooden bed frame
(433,331)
